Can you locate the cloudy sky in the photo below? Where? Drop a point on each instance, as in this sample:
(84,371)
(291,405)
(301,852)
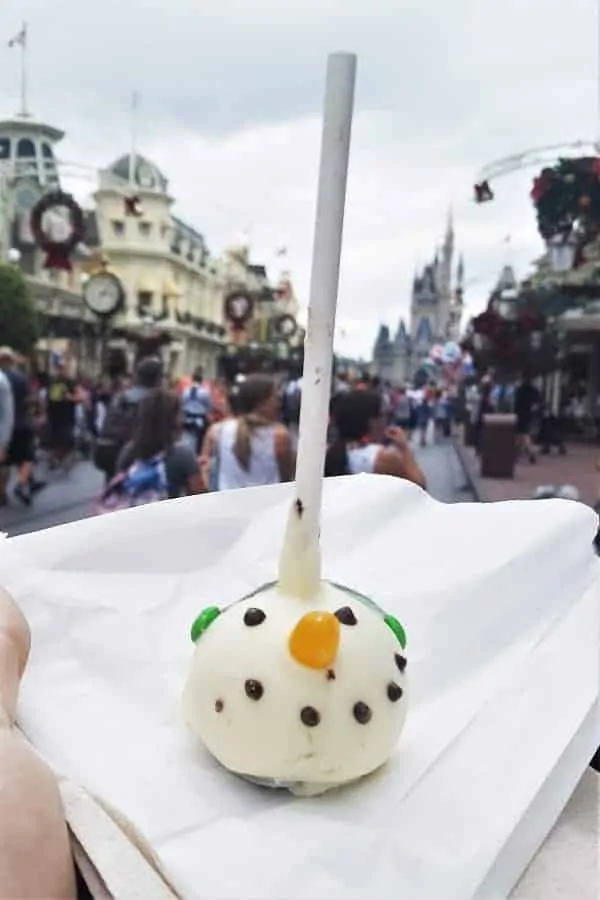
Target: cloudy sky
(231,94)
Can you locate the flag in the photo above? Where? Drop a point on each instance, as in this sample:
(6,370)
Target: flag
(19,39)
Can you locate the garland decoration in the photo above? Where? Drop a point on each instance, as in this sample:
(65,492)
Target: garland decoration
(58,252)
(284,326)
(239,306)
(566,197)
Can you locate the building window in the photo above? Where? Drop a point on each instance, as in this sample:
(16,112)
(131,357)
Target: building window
(118,228)
(4,148)
(144,302)
(47,151)
(145,228)
(26,149)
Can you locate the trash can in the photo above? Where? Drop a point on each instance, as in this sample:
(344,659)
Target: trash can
(499,446)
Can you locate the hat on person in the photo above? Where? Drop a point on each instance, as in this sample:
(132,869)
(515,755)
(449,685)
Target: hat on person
(7,353)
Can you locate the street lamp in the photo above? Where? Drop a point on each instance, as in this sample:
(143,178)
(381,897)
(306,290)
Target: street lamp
(14,256)
(504,303)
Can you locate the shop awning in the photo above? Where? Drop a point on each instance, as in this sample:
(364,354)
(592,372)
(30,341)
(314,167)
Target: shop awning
(170,289)
(145,286)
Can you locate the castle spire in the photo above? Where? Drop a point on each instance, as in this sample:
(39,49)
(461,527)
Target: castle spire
(460,272)
(449,239)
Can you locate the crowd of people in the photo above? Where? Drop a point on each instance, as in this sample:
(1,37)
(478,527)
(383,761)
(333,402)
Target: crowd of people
(154,439)
(535,425)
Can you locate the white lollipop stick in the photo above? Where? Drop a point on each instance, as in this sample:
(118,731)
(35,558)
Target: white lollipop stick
(300,561)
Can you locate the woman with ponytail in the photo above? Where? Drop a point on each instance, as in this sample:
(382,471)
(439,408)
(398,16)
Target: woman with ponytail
(359,443)
(253,448)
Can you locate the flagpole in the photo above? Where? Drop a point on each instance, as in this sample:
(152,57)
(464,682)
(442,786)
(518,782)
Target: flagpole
(133,128)
(24,113)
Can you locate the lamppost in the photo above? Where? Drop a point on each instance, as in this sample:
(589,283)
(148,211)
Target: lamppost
(507,336)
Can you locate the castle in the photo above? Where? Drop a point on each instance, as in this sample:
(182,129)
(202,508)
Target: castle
(435,316)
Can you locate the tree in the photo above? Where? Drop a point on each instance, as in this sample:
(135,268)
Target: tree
(19,320)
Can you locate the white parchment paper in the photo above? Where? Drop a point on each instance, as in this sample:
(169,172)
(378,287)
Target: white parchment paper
(500,603)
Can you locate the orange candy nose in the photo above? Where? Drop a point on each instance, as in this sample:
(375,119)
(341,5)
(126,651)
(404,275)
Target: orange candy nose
(315,640)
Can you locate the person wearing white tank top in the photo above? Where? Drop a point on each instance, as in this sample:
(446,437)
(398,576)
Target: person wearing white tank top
(358,448)
(252,449)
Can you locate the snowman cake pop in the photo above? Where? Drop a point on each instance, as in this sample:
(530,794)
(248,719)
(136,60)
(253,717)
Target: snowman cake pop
(302,684)
(301,695)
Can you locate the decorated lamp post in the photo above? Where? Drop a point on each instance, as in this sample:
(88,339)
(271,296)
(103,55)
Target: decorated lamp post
(506,336)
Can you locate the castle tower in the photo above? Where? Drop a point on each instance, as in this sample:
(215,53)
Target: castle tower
(457,305)
(445,287)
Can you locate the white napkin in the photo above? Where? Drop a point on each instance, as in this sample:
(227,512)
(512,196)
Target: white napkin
(500,604)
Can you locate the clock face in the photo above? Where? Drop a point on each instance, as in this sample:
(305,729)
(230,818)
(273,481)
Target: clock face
(102,294)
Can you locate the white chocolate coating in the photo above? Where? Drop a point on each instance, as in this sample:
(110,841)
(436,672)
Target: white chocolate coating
(266,738)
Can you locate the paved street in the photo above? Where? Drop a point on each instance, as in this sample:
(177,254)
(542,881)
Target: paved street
(445,475)
(73,496)
(67,497)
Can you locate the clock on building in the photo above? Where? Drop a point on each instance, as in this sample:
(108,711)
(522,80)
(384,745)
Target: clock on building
(103,294)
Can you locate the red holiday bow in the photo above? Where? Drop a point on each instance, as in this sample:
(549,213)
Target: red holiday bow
(483,192)
(57,256)
(133,206)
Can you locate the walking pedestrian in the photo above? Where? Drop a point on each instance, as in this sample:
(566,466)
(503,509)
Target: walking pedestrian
(158,463)
(7,419)
(61,403)
(253,448)
(196,401)
(120,419)
(359,444)
(20,453)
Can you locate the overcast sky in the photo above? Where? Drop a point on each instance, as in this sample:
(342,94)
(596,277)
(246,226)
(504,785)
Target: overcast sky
(231,94)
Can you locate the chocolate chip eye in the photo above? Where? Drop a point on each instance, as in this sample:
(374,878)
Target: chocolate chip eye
(400,661)
(346,616)
(362,713)
(253,617)
(394,691)
(310,717)
(254,689)
(219,706)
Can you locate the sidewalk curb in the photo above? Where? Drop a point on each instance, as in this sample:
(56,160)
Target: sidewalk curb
(471,477)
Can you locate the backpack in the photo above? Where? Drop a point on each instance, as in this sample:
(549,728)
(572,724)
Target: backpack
(144,482)
(195,407)
(117,430)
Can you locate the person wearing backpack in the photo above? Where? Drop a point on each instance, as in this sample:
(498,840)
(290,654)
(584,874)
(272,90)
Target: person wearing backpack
(156,464)
(197,407)
(119,421)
